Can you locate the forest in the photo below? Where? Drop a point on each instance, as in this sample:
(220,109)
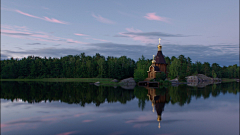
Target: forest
(97,66)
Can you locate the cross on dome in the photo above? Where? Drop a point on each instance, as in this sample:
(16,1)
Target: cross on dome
(159,40)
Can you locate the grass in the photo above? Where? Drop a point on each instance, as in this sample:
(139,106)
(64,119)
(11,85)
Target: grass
(228,80)
(103,81)
(90,80)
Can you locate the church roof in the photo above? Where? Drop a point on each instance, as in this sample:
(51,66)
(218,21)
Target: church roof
(160,58)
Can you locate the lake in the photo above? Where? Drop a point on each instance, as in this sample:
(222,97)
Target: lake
(79,108)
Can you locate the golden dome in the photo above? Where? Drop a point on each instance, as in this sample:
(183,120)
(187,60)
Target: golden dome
(153,61)
(159,118)
(159,47)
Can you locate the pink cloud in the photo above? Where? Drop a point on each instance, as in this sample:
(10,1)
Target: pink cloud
(18,11)
(153,16)
(23,32)
(78,34)
(81,114)
(53,20)
(42,18)
(74,41)
(90,37)
(140,125)
(67,133)
(141,119)
(99,39)
(25,123)
(87,120)
(14,32)
(135,37)
(133,30)
(3,125)
(103,20)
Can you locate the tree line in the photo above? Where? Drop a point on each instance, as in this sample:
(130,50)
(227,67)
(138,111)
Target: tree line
(82,66)
(182,66)
(78,66)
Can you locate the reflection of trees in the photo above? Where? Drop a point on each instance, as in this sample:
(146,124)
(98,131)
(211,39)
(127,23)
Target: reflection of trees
(82,93)
(141,94)
(72,93)
(183,93)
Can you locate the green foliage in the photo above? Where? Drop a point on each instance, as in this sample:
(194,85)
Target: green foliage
(214,74)
(161,82)
(174,68)
(152,80)
(140,73)
(78,66)
(161,76)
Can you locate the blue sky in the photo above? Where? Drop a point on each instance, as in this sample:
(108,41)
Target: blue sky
(207,31)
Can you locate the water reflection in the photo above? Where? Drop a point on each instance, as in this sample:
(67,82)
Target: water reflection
(158,101)
(83,93)
(139,111)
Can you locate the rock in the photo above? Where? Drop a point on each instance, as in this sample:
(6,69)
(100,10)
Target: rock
(97,83)
(128,83)
(114,80)
(128,87)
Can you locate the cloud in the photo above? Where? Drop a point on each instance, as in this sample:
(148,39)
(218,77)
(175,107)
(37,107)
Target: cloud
(87,120)
(53,20)
(16,33)
(103,20)
(42,18)
(153,16)
(154,34)
(24,33)
(146,37)
(80,34)
(98,39)
(68,133)
(35,44)
(90,37)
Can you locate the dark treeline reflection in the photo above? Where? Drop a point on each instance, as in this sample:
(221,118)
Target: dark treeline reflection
(72,93)
(183,94)
(82,93)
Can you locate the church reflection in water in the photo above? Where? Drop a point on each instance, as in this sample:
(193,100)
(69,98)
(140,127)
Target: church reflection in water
(158,99)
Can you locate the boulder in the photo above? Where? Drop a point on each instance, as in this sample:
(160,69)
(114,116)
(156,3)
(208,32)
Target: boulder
(128,82)
(97,82)
(114,80)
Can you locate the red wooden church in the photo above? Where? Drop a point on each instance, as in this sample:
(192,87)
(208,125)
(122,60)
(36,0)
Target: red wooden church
(158,64)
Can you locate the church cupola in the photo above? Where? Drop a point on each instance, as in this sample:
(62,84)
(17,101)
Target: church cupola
(153,61)
(159,45)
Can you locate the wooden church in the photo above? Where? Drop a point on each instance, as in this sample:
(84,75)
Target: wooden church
(158,64)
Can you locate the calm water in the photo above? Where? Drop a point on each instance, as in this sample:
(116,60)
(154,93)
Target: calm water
(80,108)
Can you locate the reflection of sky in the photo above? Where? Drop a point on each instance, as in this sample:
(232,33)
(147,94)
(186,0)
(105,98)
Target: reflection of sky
(215,115)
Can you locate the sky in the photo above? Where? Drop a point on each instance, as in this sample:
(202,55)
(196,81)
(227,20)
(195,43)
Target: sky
(205,31)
